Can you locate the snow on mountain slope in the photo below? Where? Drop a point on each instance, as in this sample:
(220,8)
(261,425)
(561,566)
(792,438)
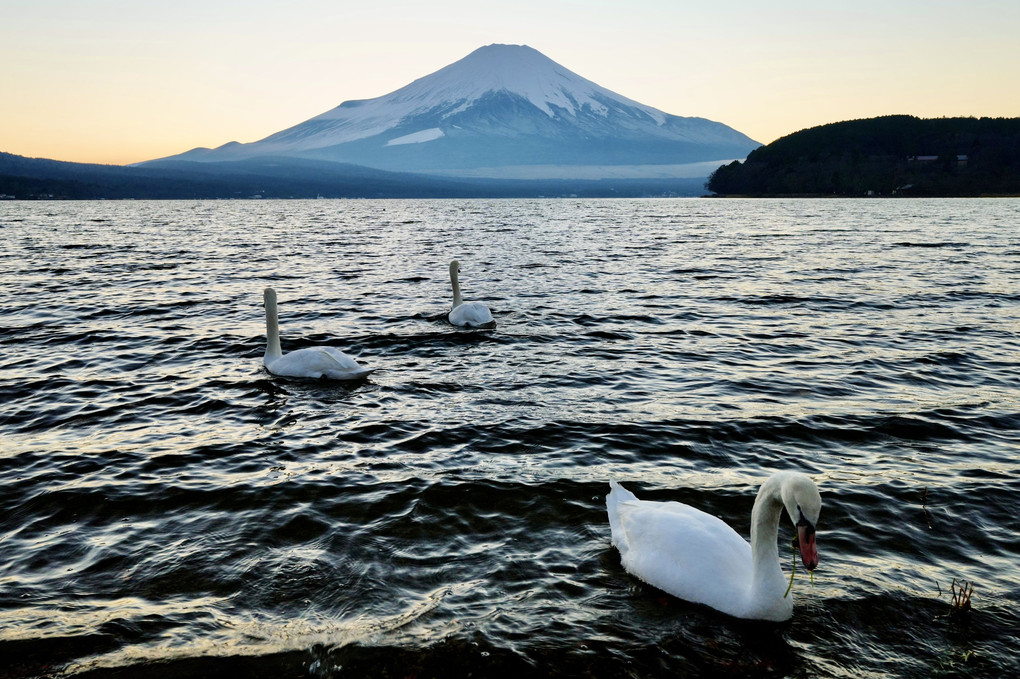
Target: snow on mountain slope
(520,70)
(500,106)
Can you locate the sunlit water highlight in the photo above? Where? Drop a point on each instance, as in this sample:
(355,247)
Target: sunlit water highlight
(167,505)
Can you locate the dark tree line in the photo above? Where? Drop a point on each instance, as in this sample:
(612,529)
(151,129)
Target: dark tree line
(891,155)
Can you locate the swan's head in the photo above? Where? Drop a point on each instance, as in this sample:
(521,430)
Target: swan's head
(803,504)
(269,297)
(454,267)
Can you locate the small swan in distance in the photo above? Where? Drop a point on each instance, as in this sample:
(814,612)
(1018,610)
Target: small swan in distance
(315,362)
(467,314)
(697,557)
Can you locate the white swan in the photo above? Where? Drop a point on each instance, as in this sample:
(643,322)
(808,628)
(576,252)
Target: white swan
(467,314)
(697,557)
(310,362)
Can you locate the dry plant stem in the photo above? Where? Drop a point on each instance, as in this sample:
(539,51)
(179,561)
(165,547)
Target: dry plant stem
(962,592)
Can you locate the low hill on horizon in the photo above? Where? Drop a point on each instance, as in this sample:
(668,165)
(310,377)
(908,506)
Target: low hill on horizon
(891,155)
(41,178)
(24,178)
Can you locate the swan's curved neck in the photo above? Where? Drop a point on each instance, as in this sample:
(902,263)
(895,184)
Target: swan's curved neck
(457,301)
(273,350)
(768,508)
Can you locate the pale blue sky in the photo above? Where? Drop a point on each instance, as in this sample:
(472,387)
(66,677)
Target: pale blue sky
(118,81)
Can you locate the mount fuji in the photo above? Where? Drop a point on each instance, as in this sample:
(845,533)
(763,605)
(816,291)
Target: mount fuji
(503,111)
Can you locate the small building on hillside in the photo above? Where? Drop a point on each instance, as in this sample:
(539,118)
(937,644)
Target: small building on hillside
(961,159)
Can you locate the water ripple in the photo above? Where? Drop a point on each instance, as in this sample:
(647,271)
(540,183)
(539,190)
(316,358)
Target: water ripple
(169,506)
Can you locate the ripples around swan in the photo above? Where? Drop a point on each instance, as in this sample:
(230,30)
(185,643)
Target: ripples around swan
(169,507)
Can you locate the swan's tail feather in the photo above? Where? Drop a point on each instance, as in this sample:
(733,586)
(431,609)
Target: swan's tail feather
(618,494)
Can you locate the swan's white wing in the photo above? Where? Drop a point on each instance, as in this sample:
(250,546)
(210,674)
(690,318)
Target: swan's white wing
(683,551)
(347,368)
(473,314)
(316,362)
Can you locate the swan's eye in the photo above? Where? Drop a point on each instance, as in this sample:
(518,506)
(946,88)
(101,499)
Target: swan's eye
(803,520)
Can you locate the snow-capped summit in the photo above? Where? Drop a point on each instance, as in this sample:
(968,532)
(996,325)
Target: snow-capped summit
(521,70)
(514,69)
(503,110)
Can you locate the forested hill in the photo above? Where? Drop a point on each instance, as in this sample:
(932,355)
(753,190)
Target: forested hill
(891,155)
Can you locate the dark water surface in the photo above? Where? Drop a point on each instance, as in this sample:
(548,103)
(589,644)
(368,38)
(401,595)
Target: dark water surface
(169,509)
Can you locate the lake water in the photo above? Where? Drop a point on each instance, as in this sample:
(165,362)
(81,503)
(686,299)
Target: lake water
(167,508)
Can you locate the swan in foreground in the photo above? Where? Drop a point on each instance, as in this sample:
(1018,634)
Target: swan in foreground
(310,362)
(697,557)
(467,314)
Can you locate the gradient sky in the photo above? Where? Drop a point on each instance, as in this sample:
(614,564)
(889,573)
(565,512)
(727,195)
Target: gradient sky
(120,81)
